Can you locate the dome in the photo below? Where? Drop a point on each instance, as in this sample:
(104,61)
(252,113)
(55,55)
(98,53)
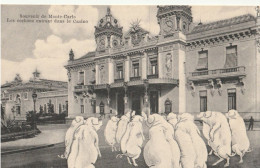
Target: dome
(108,24)
(108,20)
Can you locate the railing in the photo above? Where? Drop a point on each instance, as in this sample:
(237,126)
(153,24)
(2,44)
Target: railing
(153,76)
(135,78)
(53,93)
(81,87)
(200,73)
(219,71)
(225,72)
(119,80)
(100,86)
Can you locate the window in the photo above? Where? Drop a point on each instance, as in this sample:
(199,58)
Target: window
(81,106)
(11,97)
(232,99)
(60,109)
(135,69)
(25,96)
(203,60)
(18,110)
(81,78)
(154,66)
(231,57)
(203,101)
(119,69)
(45,108)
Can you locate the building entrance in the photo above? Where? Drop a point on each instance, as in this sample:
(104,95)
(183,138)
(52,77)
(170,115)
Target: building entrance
(120,104)
(136,103)
(154,102)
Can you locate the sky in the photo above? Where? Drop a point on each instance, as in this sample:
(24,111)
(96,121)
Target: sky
(45,46)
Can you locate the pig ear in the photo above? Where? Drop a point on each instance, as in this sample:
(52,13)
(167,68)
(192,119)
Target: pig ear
(78,119)
(150,119)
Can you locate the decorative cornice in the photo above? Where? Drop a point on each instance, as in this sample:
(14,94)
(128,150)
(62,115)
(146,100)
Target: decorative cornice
(79,66)
(224,38)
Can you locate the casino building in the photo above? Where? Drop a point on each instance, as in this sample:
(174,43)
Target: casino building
(187,67)
(16,96)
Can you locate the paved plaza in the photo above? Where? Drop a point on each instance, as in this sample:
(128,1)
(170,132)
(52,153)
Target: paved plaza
(54,134)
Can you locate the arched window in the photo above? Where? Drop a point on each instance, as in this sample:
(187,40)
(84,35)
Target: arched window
(168,106)
(101,107)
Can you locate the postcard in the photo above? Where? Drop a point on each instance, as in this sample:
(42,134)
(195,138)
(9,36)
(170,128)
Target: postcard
(120,86)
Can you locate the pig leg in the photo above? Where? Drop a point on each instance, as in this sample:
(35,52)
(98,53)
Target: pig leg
(227,164)
(137,156)
(217,162)
(211,152)
(112,148)
(128,159)
(96,142)
(238,152)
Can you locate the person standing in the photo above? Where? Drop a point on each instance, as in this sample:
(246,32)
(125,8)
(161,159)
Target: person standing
(251,124)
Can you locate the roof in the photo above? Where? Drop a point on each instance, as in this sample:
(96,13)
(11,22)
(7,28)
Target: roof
(223,23)
(89,54)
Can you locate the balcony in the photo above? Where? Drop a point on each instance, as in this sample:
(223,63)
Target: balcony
(119,80)
(135,78)
(218,73)
(80,88)
(153,76)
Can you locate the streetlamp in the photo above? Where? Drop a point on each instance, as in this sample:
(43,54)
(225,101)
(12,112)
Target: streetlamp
(34,96)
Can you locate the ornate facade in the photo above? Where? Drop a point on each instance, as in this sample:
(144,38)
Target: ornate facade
(16,96)
(185,68)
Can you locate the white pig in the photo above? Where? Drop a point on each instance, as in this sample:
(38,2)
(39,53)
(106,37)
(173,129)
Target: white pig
(188,154)
(186,122)
(157,151)
(240,141)
(78,121)
(132,140)
(156,120)
(219,136)
(122,124)
(110,132)
(85,150)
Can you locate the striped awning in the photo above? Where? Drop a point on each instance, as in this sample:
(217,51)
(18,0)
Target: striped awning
(203,60)
(231,60)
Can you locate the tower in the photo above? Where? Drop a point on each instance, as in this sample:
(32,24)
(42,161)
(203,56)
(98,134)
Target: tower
(108,33)
(174,24)
(36,74)
(174,18)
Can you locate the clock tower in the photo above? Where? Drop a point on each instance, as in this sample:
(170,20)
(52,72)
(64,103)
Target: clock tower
(108,33)
(174,18)
(174,24)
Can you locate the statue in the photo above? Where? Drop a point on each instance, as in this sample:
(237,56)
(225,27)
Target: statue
(257,11)
(71,54)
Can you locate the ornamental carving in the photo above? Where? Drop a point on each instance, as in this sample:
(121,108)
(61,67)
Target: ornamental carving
(168,64)
(102,73)
(219,85)
(211,86)
(69,75)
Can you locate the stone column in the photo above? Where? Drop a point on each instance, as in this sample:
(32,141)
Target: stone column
(182,80)
(126,68)
(258,64)
(110,71)
(97,74)
(144,66)
(160,65)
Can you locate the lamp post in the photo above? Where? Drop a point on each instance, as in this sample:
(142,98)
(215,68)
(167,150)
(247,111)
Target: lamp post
(34,96)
